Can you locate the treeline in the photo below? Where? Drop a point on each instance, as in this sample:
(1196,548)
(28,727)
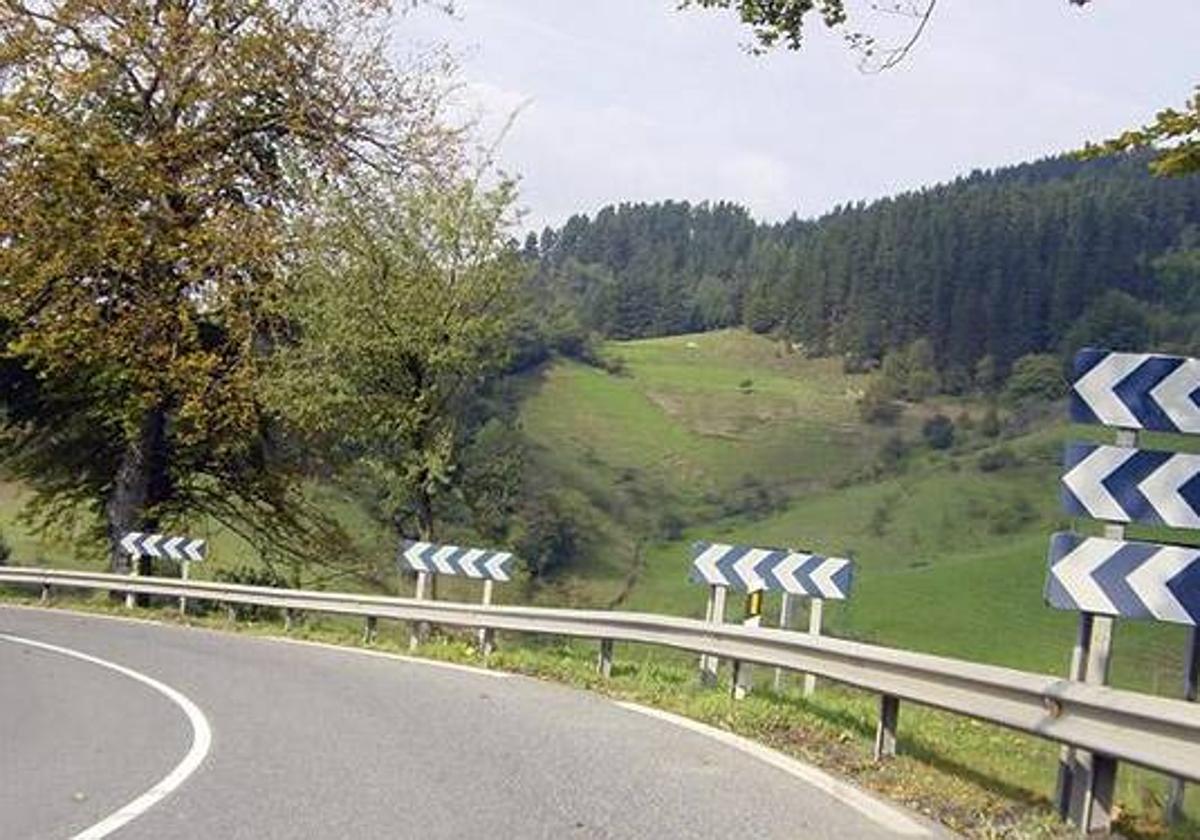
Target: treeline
(995,265)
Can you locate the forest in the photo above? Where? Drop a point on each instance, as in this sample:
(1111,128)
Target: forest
(1036,258)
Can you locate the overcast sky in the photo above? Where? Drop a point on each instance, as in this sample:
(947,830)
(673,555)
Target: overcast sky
(626,100)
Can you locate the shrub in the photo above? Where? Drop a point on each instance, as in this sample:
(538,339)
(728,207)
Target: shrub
(938,431)
(550,536)
(1000,458)
(1011,516)
(987,375)
(892,453)
(910,371)
(752,498)
(616,365)
(877,406)
(881,518)
(5,550)
(854,364)
(989,425)
(671,525)
(746,386)
(1037,376)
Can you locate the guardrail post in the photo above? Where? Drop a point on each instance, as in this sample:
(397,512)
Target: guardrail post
(816,612)
(714,614)
(183,575)
(288,621)
(785,623)
(487,636)
(885,730)
(1191,677)
(130,598)
(743,678)
(45,593)
(605,660)
(370,630)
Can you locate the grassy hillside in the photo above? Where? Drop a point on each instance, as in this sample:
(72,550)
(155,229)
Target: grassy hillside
(951,556)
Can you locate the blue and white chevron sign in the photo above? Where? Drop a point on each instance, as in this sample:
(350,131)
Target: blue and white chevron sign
(453,560)
(1137,391)
(1119,484)
(136,544)
(1125,579)
(754,569)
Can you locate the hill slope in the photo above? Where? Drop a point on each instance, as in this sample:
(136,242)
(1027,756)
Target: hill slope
(950,545)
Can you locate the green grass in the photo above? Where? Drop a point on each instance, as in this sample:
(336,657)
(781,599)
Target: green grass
(682,420)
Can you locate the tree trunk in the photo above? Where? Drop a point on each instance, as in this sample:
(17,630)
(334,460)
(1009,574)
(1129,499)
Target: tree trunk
(126,507)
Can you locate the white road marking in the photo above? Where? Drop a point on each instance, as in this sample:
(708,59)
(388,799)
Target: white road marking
(201,742)
(398,657)
(381,654)
(878,812)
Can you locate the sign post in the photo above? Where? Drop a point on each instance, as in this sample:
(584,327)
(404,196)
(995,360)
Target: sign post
(816,609)
(742,676)
(758,570)
(785,623)
(1190,680)
(714,614)
(138,545)
(1109,577)
(429,560)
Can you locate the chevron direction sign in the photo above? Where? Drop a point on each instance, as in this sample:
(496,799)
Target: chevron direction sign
(453,560)
(1119,484)
(1137,391)
(754,569)
(136,544)
(1125,579)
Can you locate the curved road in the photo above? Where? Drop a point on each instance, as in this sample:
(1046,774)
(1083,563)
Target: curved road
(316,742)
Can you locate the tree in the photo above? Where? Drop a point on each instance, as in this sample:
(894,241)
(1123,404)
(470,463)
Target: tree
(1038,376)
(150,154)
(1175,133)
(778,22)
(1177,274)
(398,306)
(878,404)
(1115,321)
(938,431)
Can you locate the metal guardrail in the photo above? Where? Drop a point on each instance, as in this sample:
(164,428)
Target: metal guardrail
(1154,732)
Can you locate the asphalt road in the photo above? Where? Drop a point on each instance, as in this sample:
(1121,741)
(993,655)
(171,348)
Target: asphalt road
(315,742)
